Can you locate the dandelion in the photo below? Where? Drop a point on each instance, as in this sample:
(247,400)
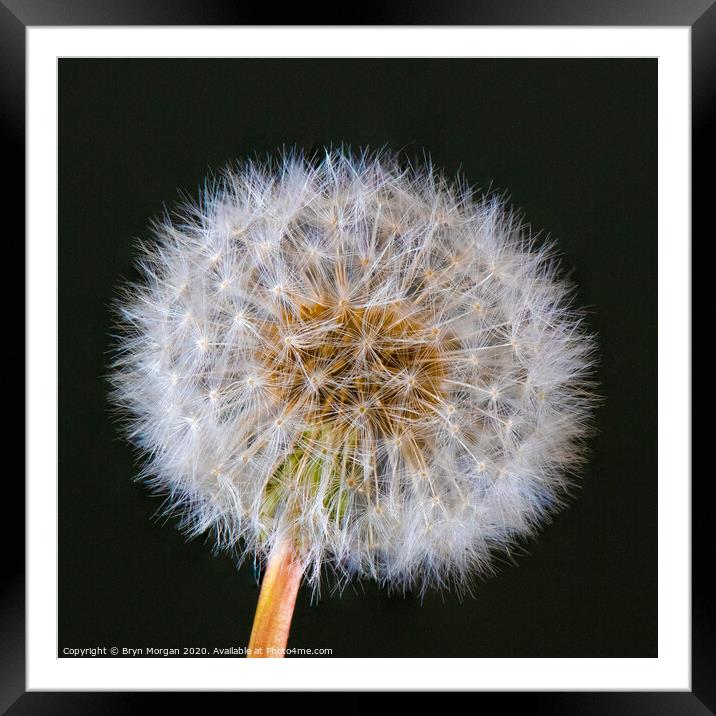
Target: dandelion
(351,364)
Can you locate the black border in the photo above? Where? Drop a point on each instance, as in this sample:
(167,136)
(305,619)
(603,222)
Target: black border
(700,15)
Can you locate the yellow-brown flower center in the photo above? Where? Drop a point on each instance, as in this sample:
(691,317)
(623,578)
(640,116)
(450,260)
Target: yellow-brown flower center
(342,365)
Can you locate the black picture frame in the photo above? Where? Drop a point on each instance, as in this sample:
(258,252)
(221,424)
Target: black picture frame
(700,15)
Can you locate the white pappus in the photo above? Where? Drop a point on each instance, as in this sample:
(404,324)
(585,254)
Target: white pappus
(358,356)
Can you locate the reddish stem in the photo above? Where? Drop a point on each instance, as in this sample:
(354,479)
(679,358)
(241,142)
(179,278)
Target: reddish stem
(277,599)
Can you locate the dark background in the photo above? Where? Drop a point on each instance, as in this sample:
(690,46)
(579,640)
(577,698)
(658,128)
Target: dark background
(574,142)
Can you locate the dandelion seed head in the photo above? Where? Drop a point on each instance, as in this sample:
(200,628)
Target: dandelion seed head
(360,357)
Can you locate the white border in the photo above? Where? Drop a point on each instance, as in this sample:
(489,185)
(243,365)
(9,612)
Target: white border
(671,670)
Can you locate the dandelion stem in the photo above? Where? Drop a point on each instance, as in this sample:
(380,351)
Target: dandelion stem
(274,611)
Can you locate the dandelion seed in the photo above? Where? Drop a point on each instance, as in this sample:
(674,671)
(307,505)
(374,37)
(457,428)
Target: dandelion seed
(397,339)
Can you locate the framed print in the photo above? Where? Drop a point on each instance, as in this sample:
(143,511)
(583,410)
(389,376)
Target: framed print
(360,343)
